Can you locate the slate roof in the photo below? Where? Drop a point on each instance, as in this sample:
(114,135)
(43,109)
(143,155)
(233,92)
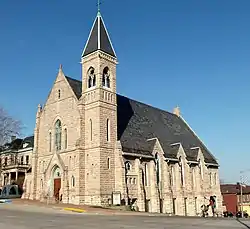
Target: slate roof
(18,144)
(29,142)
(98,39)
(76,86)
(138,122)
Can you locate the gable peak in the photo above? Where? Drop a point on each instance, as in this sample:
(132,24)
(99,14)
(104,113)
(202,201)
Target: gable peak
(98,38)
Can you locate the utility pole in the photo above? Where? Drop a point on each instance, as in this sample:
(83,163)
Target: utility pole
(241,196)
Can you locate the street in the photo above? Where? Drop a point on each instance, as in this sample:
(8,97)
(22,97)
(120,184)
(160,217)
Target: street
(30,217)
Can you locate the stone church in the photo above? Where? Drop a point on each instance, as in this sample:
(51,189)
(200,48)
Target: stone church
(93,146)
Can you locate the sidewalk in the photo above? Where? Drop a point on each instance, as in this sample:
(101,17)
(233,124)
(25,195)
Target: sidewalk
(76,208)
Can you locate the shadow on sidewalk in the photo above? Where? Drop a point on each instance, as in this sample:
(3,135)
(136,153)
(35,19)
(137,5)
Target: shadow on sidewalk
(243,223)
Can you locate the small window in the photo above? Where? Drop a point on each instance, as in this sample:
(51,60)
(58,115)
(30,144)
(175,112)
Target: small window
(12,191)
(59,94)
(108,163)
(21,160)
(134,180)
(27,159)
(65,138)
(73,181)
(128,166)
(50,142)
(91,129)
(146,174)
(108,130)
(5,161)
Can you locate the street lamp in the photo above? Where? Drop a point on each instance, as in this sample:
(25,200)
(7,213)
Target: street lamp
(241,189)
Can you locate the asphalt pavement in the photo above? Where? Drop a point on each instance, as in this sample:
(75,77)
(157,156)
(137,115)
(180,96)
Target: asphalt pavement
(32,217)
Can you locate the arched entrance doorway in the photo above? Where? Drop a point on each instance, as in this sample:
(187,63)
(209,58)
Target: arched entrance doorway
(57,181)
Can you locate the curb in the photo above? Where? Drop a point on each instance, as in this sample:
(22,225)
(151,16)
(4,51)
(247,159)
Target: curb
(74,210)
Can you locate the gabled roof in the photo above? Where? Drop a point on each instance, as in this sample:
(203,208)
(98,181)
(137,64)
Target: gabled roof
(138,122)
(99,39)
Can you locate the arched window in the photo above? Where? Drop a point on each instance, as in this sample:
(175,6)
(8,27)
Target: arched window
(194,177)
(50,141)
(59,94)
(181,171)
(215,178)
(89,82)
(157,165)
(128,166)
(108,163)
(106,77)
(201,169)
(108,82)
(65,138)
(146,174)
(91,129)
(108,130)
(42,184)
(210,179)
(91,77)
(94,80)
(58,134)
(73,181)
(103,80)
(171,176)
(5,161)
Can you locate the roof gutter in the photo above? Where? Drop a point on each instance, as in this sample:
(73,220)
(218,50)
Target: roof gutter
(137,155)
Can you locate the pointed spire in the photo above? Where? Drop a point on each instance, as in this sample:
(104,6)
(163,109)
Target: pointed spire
(99,38)
(60,68)
(39,109)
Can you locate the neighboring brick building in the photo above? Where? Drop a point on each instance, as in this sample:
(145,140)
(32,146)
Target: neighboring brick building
(231,198)
(95,147)
(15,160)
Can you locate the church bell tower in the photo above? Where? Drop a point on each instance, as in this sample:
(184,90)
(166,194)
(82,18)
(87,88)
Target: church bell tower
(100,113)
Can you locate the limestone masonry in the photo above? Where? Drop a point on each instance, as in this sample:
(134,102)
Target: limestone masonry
(95,147)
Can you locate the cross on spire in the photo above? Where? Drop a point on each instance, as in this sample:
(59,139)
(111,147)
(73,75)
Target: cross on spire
(98,5)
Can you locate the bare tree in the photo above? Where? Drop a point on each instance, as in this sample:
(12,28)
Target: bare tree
(8,126)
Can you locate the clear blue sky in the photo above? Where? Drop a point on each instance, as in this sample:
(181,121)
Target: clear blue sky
(195,54)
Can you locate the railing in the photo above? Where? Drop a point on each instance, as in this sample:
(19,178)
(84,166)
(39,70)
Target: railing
(14,165)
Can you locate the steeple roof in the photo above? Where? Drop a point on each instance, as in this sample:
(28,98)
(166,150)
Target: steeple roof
(99,39)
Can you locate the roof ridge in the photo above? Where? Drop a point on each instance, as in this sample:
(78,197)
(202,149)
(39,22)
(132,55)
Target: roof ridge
(68,77)
(148,105)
